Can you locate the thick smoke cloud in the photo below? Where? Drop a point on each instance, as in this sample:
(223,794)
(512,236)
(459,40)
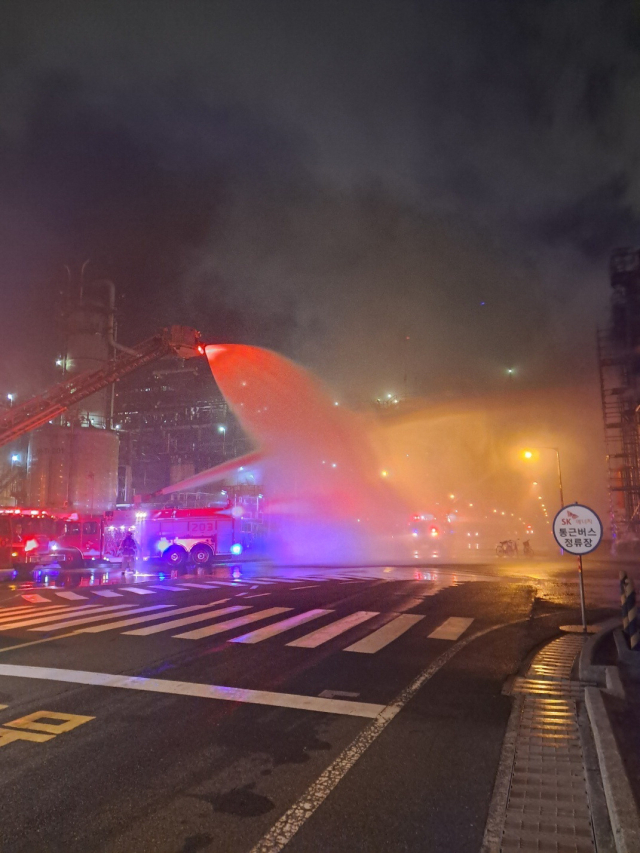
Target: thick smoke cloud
(326,179)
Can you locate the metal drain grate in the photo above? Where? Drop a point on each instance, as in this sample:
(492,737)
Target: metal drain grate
(548,806)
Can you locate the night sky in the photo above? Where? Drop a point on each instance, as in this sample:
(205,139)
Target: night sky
(325,178)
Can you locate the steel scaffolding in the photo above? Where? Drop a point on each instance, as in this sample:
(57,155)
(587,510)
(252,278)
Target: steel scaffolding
(619,365)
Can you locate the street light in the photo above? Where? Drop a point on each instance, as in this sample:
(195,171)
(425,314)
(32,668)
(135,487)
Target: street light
(529,453)
(10,398)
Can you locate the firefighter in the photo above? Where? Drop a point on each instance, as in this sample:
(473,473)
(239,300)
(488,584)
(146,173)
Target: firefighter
(129,549)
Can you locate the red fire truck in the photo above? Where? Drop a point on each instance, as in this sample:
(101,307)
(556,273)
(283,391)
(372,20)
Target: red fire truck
(37,536)
(198,535)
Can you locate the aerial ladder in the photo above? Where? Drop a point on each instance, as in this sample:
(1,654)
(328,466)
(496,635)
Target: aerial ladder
(18,420)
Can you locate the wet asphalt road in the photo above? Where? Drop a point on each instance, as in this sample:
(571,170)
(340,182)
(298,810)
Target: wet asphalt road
(152,767)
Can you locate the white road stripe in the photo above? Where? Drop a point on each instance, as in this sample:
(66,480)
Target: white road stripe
(107,593)
(36,599)
(323,635)
(285,828)
(312,586)
(169,588)
(137,590)
(258,595)
(280,627)
(167,610)
(385,635)
(451,628)
(49,616)
(229,583)
(232,623)
(24,608)
(103,614)
(209,616)
(200,585)
(71,596)
(203,691)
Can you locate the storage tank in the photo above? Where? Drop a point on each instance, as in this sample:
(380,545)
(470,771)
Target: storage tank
(48,463)
(73,467)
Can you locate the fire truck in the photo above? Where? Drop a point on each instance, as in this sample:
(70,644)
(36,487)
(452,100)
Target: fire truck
(37,536)
(199,536)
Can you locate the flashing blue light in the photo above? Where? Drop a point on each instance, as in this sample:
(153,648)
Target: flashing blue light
(236,548)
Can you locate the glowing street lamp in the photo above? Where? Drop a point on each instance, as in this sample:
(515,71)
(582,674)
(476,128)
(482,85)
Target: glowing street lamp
(529,454)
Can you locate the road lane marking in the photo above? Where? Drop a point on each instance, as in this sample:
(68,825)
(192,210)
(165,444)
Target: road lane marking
(284,829)
(49,617)
(66,722)
(168,588)
(71,596)
(186,688)
(311,586)
(36,599)
(385,635)
(229,583)
(451,628)
(200,585)
(279,627)
(15,615)
(232,623)
(137,590)
(323,635)
(21,608)
(166,610)
(210,615)
(104,613)
(258,595)
(8,736)
(107,593)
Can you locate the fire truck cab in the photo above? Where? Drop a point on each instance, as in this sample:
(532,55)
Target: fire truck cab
(37,536)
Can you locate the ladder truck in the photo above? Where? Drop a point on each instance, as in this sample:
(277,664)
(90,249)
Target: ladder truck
(25,533)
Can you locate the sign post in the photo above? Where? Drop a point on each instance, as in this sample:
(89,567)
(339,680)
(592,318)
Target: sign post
(578,530)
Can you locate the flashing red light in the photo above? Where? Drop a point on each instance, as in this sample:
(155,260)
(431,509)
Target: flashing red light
(433,531)
(201,349)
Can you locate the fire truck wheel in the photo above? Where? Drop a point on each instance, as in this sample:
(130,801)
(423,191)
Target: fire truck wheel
(73,558)
(175,556)
(201,554)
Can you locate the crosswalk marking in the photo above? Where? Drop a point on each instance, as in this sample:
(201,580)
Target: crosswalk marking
(36,599)
(232,623)
(258,595)
(312,586)
(168,588)
(385,635)
(35,611)
(107,593)
(280,627)
(49,616)
(451,628)
(81,620)
(322,635)
(209,616)
(138,590)
(200,585)
(71,596)
(23,608)
(228,583)
(167,610)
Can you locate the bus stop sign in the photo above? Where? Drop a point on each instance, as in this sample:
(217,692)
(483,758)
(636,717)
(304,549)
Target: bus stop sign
(577,529)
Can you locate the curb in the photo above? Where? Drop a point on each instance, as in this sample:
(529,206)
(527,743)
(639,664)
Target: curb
(625,655)
(623,813)
(587,670)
